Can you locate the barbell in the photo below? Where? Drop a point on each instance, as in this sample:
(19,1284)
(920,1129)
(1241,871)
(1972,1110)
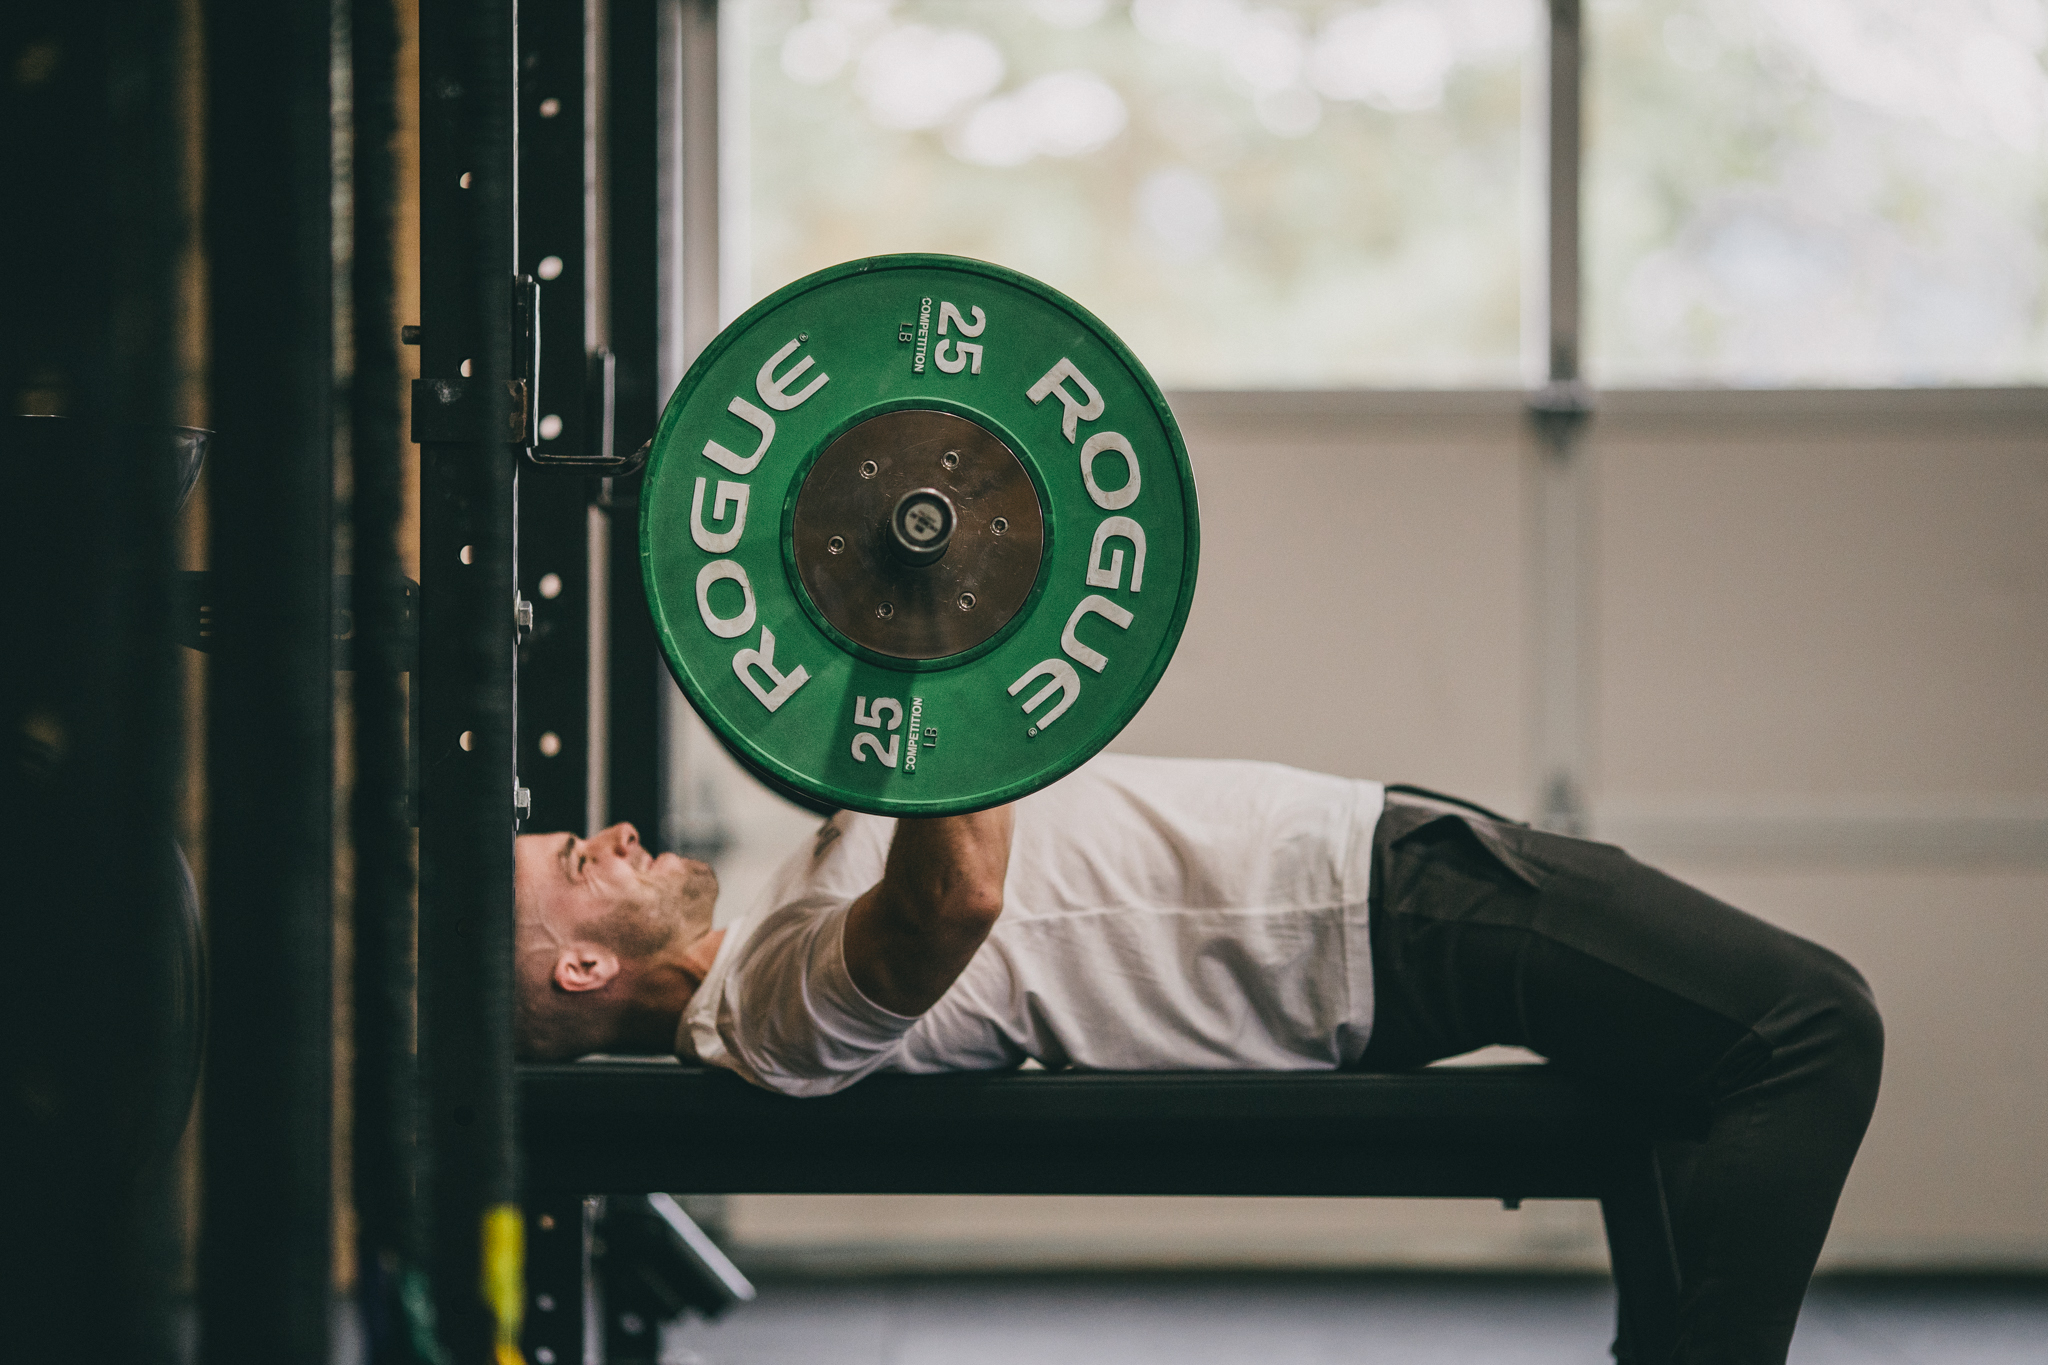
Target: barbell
(919,536)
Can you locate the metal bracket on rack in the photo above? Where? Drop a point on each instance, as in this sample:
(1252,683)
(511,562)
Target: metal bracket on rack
(600,410)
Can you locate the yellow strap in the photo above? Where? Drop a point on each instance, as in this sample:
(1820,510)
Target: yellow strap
(504,1272)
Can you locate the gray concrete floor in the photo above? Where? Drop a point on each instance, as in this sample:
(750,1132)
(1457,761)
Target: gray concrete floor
(1319,1319)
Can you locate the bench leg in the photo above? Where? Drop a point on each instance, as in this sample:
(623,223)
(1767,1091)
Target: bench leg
(1644,1261)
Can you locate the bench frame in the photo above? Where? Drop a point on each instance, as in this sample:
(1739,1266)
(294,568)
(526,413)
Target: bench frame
(1507,1133)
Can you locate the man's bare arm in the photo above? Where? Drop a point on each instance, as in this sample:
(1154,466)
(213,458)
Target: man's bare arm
(911,936)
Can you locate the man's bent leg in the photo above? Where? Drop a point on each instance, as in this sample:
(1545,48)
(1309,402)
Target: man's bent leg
(1489,933)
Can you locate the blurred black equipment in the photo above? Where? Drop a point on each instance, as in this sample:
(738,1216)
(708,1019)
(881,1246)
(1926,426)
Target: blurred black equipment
(651,1263)
(104,1015)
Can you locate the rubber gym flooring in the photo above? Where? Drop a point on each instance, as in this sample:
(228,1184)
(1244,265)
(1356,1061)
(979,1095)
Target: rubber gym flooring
(1318,1319)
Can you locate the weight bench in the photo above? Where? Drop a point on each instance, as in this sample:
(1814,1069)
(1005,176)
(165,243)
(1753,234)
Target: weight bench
(1500,1132)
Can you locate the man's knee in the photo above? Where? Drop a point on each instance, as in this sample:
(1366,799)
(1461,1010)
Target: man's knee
(1862,1025)
(1844,1027)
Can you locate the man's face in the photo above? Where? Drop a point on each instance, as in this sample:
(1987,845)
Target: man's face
(610,891)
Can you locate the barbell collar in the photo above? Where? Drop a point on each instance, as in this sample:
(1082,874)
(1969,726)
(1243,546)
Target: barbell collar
(921,527)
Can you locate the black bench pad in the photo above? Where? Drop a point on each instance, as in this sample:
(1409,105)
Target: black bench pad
(1505,1132)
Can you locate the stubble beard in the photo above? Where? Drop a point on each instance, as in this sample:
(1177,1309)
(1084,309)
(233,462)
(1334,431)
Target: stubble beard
(662,911)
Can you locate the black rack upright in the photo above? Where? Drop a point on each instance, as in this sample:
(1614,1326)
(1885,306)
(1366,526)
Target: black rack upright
(470,426)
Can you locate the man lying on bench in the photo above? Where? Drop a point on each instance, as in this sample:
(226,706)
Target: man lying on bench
(1156,914)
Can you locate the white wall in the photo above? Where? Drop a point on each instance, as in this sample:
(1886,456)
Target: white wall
(1815,682)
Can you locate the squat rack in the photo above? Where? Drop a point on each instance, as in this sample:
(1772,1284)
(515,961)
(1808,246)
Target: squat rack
(549,134)
(539,356)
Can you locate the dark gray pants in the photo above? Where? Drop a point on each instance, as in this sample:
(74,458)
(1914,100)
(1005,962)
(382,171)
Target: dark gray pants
(1485,932)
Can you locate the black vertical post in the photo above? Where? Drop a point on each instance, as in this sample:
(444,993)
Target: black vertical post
(632,250)
(1561,407)
(265,1265)
(468,556)
(390,1231)
(1564,152)
(560,162)
(91,1099)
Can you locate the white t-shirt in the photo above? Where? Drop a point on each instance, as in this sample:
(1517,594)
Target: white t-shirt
(1159,914)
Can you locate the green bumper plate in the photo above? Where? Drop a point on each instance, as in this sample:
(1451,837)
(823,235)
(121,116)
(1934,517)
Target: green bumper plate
(855,680)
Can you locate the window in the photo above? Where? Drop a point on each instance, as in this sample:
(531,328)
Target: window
(1313,193)
(1289,195)
(1817,191)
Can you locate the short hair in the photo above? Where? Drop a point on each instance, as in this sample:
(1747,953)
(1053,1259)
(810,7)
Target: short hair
(550,1024)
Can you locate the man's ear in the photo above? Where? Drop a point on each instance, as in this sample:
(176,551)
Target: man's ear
(585,967)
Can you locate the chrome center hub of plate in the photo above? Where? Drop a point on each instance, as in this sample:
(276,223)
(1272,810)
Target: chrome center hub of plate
(918,534)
